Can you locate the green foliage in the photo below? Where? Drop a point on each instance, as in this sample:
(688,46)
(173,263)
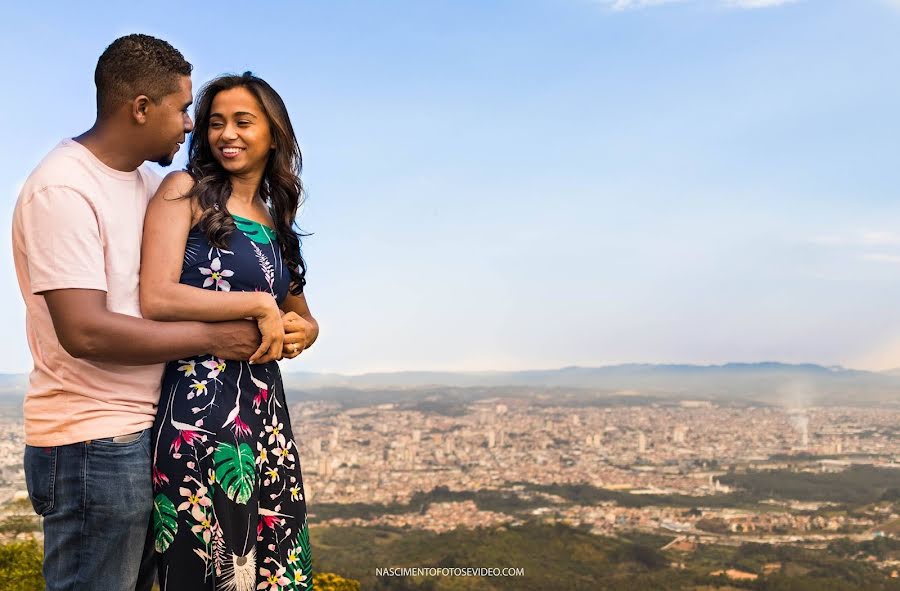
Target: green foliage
(646,556)
(165,522)
(855,485)
(235,471)
(486,500)
(333,582)
(557,557)
(19,524)
(20,566)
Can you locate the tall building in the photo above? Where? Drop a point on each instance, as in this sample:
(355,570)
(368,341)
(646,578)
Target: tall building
(642,442)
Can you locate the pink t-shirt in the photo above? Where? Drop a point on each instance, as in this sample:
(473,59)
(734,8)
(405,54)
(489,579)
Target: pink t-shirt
(77,224)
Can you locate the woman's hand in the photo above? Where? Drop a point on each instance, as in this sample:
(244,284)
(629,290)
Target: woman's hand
(298,334)
(271,328)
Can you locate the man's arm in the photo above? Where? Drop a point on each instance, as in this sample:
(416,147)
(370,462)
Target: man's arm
(88,330)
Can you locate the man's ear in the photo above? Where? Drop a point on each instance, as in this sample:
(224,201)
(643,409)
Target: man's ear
(139,107)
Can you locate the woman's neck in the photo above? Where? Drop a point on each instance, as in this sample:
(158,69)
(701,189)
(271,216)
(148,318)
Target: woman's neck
(245,188)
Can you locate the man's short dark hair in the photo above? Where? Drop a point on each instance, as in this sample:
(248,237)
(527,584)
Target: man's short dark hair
(134,65)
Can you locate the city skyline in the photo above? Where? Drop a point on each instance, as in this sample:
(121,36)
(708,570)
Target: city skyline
(542,184)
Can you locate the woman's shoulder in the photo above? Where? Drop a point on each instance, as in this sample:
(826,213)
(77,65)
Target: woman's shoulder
(173,196)
(176,184)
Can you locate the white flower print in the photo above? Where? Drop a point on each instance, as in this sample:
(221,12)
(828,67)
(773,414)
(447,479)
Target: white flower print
(274,431)
(197,389)
(189,368)
(274,581)
(262,456)
(215,365)
(284,453)
(272,474)
(217,275)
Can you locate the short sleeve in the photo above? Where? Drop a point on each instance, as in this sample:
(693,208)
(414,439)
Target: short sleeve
(62,241)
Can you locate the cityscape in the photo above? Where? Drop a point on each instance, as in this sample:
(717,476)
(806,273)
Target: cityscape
(682,469)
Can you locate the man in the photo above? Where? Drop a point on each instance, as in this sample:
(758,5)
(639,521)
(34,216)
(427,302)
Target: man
(97,364)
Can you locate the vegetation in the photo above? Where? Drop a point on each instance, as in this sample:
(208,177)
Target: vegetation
(20,566)
(20,570)
(554,557)
(855,485)
(486,500)
(564,558)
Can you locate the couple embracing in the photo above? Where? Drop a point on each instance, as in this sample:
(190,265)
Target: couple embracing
(157,433)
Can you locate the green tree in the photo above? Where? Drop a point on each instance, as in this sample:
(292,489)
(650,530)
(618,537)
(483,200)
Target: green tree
(333,582)
(20,566)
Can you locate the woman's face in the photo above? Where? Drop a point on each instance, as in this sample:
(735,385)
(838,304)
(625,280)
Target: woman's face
(239,133)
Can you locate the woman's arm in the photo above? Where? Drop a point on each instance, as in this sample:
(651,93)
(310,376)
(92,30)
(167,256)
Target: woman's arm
(166,226)
(301,329)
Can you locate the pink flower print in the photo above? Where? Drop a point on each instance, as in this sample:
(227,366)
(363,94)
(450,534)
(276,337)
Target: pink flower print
(262,395)
(240,428)
(216,275)
(284,453)
(197,502)
(215,365)
(204,526)
(184,436)
(159,479)
(269,521)
(274,581)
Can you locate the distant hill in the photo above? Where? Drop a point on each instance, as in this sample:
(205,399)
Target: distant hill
(13,383)
(771,382)
(800,384)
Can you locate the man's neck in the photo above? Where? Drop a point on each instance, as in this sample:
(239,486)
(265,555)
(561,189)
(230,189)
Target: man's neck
(110,146)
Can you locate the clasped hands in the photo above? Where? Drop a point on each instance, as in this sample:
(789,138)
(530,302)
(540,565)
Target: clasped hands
(298,334)
(284,334)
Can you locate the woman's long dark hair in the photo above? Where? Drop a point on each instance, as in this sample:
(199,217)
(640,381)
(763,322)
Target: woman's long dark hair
(280,186)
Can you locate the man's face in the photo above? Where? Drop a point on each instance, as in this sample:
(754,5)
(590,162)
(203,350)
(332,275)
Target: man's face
(170,123)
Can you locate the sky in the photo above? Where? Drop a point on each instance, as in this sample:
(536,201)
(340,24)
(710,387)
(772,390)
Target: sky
(523,184)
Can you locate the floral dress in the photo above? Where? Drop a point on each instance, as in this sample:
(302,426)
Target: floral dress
(229,513)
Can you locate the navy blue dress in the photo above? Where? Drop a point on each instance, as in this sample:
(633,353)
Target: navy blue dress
(229,511)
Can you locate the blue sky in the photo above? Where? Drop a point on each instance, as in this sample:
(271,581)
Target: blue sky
(537,183)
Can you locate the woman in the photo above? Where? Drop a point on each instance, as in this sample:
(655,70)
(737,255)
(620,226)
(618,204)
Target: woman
(229,510)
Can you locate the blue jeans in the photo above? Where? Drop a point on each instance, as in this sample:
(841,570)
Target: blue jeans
(95,498)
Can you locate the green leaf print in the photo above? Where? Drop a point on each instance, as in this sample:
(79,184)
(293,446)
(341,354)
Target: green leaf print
(300,561)
(165,522)
(235,471)
(254,230)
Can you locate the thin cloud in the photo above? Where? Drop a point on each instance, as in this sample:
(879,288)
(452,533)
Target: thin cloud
(866,239)
(622,5)
(880,257)
(757,3)
(880,239)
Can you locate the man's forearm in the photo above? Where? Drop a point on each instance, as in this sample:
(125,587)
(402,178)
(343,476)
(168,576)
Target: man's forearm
(126,340)
(88,330)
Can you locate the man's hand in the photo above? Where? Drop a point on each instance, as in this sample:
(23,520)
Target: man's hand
(235,340)
(299,333)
